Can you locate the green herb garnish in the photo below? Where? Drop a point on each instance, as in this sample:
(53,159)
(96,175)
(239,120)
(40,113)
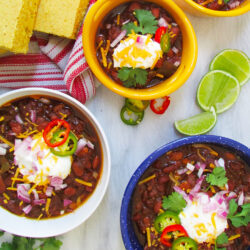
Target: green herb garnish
(174,202)
(1,233)
(217,177)
(239,219)
(22,243)
(147,23)
(131,77)
(226,1)
(221,239)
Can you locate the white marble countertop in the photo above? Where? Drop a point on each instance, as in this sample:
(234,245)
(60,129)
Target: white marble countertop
(131,145)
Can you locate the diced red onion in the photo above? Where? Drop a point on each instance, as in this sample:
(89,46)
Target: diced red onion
(191,167)
(177,63)
(36,196)
(127,21)
(226,186)
(32,115)
(90,145)
(61,187)
(234,4)
(182,171)
(22,192)
(174,24)
(19,119)
(241,198)
(3,151)
(222,214)
(80,145)
(49,191)
(108,26)
(4,145)
(118,38)
(220,163)
(162,22)
(175,50)
(211,206)
(27,209)
(181,192)
(139,40)
(66,202)
(44,100)
(231,196)
(197,187)
(39,202)
(56,181)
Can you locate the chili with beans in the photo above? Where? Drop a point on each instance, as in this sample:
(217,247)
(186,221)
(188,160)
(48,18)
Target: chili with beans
(23,121)
(173,172)
(114,31)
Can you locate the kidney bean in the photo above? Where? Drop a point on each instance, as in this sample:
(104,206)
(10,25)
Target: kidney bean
(2,185)
(163,179)
(86,163)
(176,156)
(191,179)
(16,127)
(134,6)
(42,126)
(95,162)
(170,168)
(77,168)
(69,191)
(137,216)
(157,206)
(155,12)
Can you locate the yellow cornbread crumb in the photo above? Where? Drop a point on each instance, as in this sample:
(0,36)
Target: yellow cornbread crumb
(17,18)
(60,17)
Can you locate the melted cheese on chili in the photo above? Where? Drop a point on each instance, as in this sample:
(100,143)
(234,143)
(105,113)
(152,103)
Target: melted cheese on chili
(137,51)
(37,163)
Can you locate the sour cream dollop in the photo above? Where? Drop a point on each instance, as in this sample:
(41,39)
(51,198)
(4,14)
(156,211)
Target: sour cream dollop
(137,51)
(37,163)
(202,223)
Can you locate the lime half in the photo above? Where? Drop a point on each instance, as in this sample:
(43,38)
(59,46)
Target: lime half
(218,89)
(198,124)
(234,62)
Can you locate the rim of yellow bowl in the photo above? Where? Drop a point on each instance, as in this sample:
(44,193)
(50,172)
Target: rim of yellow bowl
(99,10)
(241,9)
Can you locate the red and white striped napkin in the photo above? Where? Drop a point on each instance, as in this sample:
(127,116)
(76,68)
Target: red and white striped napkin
(52,62)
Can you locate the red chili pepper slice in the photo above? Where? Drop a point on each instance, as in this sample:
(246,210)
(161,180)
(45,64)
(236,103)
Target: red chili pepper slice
(159,33)
(160,109)
(55,126)
(172,232)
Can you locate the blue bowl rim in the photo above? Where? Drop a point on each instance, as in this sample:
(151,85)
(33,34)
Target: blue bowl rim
(214,139)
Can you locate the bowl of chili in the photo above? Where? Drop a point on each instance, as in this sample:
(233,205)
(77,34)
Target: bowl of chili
(144,79)
(216,8)
(156,203)
(55,162)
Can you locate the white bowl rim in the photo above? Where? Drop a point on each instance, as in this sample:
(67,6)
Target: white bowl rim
(23,226)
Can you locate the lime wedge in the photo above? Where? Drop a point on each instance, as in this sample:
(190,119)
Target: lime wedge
(234,62)
(198,124)
(218,89)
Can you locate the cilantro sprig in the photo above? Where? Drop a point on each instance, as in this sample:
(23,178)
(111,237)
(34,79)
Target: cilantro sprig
(131,77)
(174,202)
(221,239)
(23,243)
(147,23)
(239,219)
(217,177)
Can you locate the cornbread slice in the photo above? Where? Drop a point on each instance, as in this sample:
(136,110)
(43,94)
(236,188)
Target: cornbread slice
(60,17)
(17,18)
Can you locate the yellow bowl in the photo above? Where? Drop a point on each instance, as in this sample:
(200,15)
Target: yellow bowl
(198,10)
(189,53)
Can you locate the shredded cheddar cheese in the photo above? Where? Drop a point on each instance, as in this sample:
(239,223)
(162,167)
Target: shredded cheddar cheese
(118,19)
(47,205)
(148,237)
(233,237)
(147,179)
(85,183)
(104,59)
(7,142)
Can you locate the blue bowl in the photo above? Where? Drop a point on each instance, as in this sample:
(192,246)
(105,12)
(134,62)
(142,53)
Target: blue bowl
(129,238)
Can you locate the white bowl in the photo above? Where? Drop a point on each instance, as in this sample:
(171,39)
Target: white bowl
(54,226)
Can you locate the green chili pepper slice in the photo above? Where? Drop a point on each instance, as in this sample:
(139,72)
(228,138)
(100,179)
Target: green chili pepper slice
(184,243)
(165,43)
(68,148)
(130,117)
(166,219)
(136,105)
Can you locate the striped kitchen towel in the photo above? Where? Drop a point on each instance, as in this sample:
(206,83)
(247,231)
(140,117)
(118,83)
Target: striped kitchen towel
(52,62)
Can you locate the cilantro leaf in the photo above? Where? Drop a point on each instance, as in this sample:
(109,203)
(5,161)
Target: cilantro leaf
(222,239)
(147,23)
(174,202)
(131,77)
(7,246)
(51,244)
(226,1)
(217,177)
(239,219)
(1,233)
